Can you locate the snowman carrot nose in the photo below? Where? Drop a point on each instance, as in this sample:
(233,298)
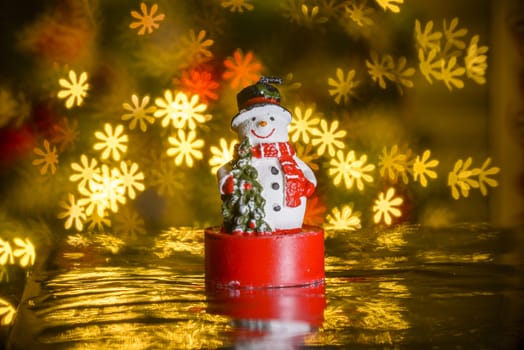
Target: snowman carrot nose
(262,123)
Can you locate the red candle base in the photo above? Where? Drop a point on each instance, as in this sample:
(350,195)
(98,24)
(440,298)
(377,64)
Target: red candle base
(267,261)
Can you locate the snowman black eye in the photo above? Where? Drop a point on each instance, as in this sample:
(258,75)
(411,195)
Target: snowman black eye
(253,119)
(272,119)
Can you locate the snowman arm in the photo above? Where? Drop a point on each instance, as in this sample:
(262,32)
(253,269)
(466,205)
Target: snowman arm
(308,173)
(223,175)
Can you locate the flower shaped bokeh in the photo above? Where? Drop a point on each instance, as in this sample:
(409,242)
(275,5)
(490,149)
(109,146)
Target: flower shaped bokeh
(129,134)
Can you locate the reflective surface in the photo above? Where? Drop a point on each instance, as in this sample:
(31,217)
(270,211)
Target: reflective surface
(403,287)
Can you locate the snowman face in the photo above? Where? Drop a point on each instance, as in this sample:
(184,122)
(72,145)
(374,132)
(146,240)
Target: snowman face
(264,126)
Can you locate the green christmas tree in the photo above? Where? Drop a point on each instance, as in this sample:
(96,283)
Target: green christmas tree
(243,205)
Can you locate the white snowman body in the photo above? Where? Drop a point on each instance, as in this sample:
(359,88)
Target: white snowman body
(268,124)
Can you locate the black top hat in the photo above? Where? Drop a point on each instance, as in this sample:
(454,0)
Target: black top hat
(260,93)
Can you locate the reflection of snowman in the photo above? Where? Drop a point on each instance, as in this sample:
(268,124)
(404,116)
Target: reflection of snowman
(286,180)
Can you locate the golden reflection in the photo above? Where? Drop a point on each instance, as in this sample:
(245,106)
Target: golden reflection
(339,310)
(391,240)
(191,334)
(394,288)
(133,335)
(368,249)
(177,240)
(335,263)
(387,262)
(77,240)
(446,257)
(109,242)
(382,315)
(104,241)
(371,310)
(132,307)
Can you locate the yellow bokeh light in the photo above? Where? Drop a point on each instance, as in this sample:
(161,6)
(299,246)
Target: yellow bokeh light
(48,160)
(6,253)
(342,88)
(386,206)
(25,251)
(111,143)
(7,312)
(344,219)
(106,192)
(131,178)
(146,20)
(391,5)
(302,124)
(185,148)
(222,154)
(327,138)
(86,171)
(180,111)
(237,5)
(139,113)
(421,168)
(394,164)
(350,169)
(463,178)
(73,213)
(74,90)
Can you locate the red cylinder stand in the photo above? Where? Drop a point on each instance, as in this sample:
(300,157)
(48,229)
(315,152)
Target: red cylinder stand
(264,261)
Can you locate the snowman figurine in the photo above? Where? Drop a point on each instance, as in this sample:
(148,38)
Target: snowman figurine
(264,189)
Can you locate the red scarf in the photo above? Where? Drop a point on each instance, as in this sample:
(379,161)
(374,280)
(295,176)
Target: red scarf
(296,183)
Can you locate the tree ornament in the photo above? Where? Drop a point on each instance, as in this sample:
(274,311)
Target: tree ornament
(242,206)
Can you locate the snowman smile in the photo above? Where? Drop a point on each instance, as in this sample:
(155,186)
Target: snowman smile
(262,136)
